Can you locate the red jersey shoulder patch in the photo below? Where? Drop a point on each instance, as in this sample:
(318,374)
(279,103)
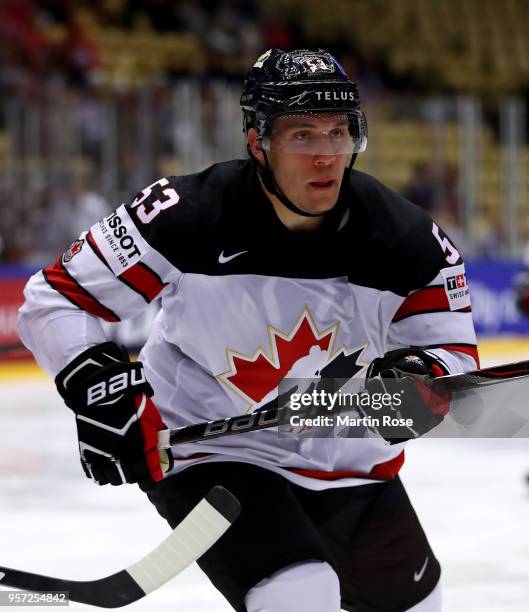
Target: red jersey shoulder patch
(72,250)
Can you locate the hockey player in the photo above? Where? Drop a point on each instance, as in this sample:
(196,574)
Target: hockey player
(288,261)
(521,285)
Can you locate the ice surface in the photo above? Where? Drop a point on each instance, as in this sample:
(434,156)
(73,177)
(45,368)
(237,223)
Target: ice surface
(470,495)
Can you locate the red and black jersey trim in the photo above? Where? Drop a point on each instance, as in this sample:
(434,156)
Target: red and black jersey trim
(426,301)
(139,277)
(460,347)
(59,279)
(382,471)
(95,248)
(143,280)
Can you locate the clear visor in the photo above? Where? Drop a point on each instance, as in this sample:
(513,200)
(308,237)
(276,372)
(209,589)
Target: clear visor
(318,134)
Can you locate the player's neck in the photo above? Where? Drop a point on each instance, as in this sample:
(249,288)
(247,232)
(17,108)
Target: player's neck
(291,220)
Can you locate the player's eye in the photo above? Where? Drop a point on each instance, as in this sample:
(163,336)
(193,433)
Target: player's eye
(338,133)
(302,135)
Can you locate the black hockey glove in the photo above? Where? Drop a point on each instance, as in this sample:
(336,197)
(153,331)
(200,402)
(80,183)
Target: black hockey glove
(414,408)
(117,423)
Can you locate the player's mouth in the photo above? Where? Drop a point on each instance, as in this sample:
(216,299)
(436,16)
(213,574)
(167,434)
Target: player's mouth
(323,184)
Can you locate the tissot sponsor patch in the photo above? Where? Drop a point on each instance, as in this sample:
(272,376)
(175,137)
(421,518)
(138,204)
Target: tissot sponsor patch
(456,287)
(120,242)
(72,250)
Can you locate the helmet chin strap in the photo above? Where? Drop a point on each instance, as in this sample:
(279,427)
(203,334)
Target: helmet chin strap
(270,183)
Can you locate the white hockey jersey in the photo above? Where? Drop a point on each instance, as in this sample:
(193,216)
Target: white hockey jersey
(246,302)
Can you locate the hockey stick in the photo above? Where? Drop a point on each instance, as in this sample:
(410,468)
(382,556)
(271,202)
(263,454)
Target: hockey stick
(197,532)
(271,413)
(454,383)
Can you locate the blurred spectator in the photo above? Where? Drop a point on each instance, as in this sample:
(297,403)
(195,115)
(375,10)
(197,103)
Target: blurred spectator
(420,188)
(277,33)
(53,213)
(438,193)
(191,17)
(88,206)
(451,201)
(162,13)
(24,49)
(89,122)
(222,37)
(64,209)
(489,236)
(521,284)
(79,53)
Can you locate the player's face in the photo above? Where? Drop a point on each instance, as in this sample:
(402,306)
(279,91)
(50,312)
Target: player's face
(307,156)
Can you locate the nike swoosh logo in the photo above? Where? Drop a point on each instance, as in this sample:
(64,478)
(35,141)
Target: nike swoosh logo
(223,259)
(417,576)
(1,575)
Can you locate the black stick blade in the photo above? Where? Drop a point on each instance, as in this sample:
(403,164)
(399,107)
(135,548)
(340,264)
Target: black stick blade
(197,532)
(114,591)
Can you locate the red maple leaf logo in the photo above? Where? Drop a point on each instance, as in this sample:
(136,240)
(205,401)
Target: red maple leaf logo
(72,250)
(255,376)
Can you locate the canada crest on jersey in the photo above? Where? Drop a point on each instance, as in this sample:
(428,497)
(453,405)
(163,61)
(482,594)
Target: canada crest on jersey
(72,250)
(301,352)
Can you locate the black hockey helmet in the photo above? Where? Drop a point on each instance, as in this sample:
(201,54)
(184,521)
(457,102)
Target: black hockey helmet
(301,82)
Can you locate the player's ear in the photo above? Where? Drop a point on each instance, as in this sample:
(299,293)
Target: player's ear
(255,146)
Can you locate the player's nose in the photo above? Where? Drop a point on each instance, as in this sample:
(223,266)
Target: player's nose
(324,160)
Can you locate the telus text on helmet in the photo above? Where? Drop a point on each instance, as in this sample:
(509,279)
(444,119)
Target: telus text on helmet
(335,95)
(328,96)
